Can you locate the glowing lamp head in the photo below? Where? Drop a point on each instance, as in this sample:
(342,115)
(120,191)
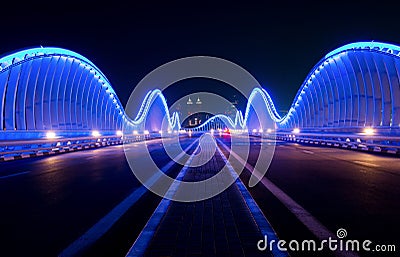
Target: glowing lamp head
(269,130)
(50,135)
(146,132)
(96,133)
(160,132)
(135,132)
(254,130)
(260,131)
(369,131)
(296,131)
(119,133)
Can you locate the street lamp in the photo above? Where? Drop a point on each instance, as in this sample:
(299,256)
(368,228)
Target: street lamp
(50,135)
(96,133)
(369,131)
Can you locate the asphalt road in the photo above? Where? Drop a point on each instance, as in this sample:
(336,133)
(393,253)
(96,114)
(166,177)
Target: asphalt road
(353,190)
(47,203)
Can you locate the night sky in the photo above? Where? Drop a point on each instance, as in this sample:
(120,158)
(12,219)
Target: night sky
(277,43)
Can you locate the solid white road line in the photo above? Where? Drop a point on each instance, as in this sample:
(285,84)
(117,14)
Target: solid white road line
(307,152)
(261,221)
(316,227)
(367,164)
(15,174)
(104,224)
(142,242)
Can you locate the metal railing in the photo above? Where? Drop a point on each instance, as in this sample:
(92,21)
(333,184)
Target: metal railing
(361,141)
(11,150)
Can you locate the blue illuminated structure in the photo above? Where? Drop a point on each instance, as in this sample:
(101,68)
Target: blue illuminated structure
(260,113)
(353,87)
(53,89)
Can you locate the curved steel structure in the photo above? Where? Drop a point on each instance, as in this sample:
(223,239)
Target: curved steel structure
(53,89)
(353,87)
(260,113)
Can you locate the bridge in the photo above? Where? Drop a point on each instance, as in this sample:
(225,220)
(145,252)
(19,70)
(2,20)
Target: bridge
(329,163)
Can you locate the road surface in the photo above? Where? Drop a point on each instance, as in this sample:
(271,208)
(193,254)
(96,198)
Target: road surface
(47,203)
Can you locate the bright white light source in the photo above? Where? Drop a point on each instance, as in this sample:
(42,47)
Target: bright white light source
(96,133)
(50,135)
(269,130)
(119,133)
(169,131)
(146,132)
(160,132)
(135,132)
(369,131)
(212,131)
(260,131)
(296,130)
(254,130)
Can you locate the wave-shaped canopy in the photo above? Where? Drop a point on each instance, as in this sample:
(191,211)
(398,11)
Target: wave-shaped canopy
(42,89)
(55,89)
(352,87)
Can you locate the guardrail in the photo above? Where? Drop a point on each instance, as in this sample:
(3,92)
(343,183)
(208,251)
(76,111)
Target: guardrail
(13,150)
(361,141)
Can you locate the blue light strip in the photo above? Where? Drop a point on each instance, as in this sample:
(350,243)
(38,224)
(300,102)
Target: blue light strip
(13,60)
(330,59)
(337,60)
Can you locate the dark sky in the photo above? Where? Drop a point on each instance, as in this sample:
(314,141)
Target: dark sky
(277,43)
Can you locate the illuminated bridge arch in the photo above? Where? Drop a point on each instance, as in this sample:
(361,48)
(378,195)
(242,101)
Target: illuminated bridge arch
(42,89)
(354,86)
(45,89)
(54,89)
(260,113)
(154,115)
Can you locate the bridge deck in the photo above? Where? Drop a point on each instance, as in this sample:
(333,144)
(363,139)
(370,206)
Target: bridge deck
(223,225)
